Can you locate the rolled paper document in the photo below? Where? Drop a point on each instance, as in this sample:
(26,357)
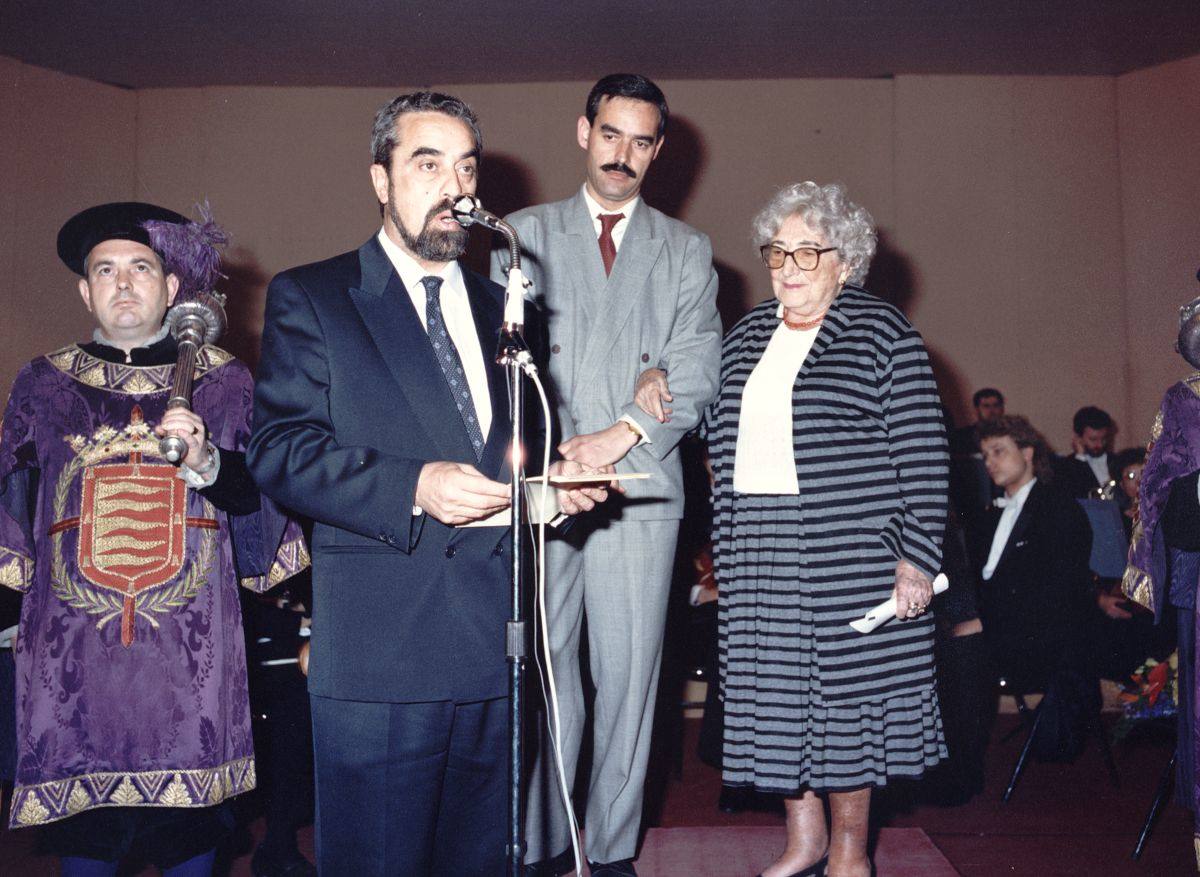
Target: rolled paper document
(887,609)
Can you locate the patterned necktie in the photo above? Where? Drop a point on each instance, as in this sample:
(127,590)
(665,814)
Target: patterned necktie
(450,361)
(608,247)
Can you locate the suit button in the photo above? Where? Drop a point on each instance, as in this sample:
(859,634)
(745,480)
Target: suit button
(645,357)
(451,551)
(382,536)
(497,551)
(554,348)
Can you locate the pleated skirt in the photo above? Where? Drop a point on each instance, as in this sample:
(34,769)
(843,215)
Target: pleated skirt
(781,735)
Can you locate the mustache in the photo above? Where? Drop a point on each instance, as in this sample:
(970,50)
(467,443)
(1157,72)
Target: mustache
(619,166)
(442,206)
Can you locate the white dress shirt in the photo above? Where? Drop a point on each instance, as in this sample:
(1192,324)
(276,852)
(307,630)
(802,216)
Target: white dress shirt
(765,460)
(1008,520)
(1099,467)
(456,311)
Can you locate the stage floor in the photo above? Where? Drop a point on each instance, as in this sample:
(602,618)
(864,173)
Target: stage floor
(1063,820)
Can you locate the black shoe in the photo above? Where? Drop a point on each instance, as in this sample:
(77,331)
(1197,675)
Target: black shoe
(552,867)
(623,868)
(263,864)
(734,800)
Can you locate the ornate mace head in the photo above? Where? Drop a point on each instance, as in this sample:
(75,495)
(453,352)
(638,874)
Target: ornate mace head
(191,251)
(1188,343)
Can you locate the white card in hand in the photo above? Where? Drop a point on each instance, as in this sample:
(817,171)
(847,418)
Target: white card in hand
(887,609)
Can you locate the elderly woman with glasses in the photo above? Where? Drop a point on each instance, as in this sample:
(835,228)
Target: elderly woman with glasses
(830,479)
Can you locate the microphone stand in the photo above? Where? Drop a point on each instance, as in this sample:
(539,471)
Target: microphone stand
(513,353)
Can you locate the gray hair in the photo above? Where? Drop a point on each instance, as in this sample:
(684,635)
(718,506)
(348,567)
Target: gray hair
(826,209)
(383,132)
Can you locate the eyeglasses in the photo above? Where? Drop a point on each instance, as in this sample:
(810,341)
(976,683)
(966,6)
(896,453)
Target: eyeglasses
(806,258)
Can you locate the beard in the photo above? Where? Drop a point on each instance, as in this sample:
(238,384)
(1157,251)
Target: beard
(432,244)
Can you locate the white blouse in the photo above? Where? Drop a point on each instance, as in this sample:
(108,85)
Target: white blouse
(765,461)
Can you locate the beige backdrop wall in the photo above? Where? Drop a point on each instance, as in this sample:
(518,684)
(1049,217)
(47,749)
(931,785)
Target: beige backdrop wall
(1024,221)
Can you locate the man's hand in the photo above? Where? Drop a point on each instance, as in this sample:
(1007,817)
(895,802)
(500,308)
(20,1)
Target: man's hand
(1113,605)
(595,450)
(651,392)
(580,499)
(189,427)
(456,493)
(913,591)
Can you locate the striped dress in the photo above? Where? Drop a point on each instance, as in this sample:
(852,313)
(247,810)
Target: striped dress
(810,703)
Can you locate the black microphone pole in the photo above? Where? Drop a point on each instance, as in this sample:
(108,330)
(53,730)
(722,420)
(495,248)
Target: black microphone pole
(513,354)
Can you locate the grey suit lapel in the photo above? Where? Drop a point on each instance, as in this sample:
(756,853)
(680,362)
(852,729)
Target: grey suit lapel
(393,324)
(625,288)
(583,256)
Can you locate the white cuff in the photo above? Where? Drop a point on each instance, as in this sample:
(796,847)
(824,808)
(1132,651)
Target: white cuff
(643,439)
(196,480)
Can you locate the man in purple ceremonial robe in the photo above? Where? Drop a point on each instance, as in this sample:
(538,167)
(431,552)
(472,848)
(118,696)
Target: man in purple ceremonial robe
(1164,555)
(133,722)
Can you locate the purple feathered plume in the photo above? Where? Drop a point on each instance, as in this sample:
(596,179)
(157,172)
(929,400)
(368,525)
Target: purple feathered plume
(190,251)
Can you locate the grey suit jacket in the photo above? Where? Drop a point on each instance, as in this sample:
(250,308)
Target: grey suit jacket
(658,308)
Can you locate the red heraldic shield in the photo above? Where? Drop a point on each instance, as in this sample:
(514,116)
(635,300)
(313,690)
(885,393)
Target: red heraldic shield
(131,530)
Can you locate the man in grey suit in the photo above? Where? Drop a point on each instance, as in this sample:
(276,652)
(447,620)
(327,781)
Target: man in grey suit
(625,289)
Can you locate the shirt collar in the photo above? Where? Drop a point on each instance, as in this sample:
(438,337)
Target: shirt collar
(1021,495)
(159,349)
(410,272)
(594,208)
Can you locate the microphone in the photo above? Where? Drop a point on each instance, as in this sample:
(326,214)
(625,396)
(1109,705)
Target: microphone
(467,211)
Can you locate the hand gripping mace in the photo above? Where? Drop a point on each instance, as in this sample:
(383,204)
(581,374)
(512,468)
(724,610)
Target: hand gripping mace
(198,320)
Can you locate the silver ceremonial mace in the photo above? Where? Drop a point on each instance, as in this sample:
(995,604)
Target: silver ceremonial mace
(198,320)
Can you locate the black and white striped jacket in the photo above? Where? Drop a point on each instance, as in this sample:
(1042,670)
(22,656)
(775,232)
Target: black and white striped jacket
(872,467)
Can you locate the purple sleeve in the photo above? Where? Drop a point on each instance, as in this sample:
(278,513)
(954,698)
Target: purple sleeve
(18,484)
(268,546)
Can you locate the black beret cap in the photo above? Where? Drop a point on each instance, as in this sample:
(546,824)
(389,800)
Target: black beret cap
(121,220)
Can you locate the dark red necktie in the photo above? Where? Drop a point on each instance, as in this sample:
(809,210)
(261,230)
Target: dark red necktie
(608,249)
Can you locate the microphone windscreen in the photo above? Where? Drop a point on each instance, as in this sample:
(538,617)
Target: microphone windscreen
(463,209)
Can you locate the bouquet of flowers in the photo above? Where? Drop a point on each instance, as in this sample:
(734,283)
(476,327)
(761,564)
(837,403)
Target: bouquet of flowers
(1151,693)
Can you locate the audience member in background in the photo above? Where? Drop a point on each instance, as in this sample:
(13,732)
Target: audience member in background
(1086,470)
(1124,634)
(1032,551)
(1125,468)
(989,404)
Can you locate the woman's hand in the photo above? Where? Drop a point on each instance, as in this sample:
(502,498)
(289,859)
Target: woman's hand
(913,591)
(651,392)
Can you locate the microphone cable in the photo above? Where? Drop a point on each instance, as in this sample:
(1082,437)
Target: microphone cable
(540,621)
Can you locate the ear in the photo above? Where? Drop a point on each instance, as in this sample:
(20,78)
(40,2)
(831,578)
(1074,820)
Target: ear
(85,293)
(844,275)
(379,182)
(1027,454)
(657,147)
(172,289)
(583,130)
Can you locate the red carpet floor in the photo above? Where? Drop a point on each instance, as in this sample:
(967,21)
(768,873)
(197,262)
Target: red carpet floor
(1063,820)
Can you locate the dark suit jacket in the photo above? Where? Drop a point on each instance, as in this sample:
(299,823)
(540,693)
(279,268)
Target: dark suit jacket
(350,403)
(1036,605)
(1074,477)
